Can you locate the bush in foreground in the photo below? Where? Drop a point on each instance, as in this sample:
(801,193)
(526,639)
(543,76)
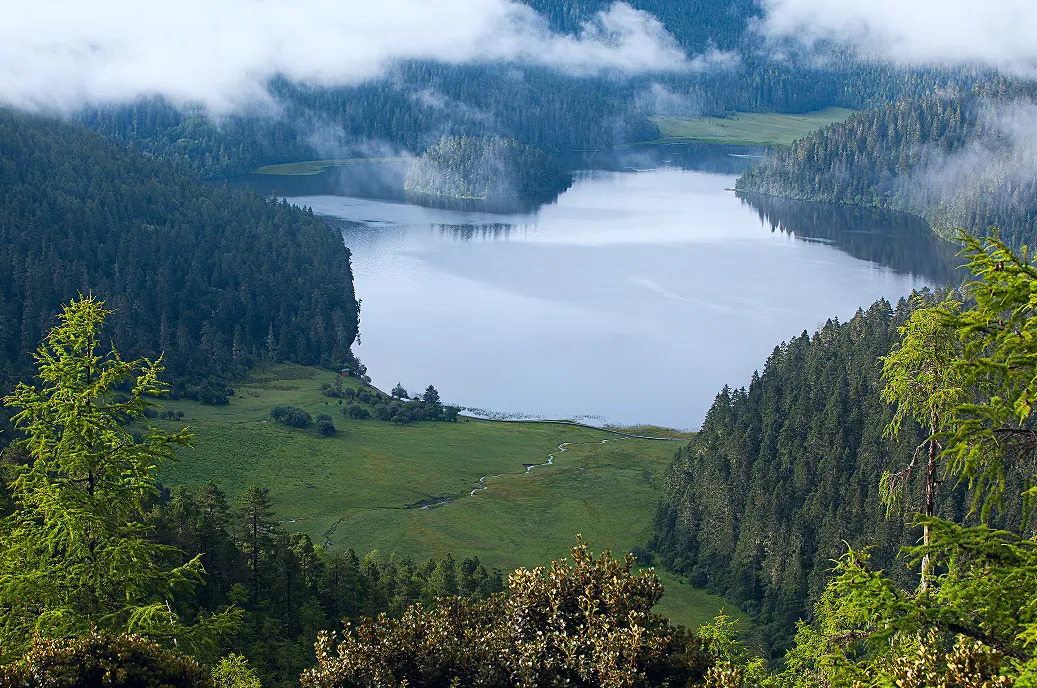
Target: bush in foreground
(99,659)
(588,623)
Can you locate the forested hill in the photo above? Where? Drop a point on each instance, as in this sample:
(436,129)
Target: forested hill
(212,277)
(485,168)
(958,162)
(781,475)
(695,25)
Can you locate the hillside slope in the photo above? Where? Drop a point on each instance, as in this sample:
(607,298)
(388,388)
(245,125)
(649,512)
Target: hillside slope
(210,277)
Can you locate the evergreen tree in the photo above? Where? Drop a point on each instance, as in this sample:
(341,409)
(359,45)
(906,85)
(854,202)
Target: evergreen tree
(255,525)
(75,554)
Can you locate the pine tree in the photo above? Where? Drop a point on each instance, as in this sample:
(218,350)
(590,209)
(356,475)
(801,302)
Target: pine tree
(255,531)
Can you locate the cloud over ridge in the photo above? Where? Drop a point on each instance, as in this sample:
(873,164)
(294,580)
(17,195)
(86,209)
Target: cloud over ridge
(997,34)
(63,54)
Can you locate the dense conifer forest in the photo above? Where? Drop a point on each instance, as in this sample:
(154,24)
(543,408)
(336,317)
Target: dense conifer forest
(786,471)
(214,278)
(954,160)
(485,168)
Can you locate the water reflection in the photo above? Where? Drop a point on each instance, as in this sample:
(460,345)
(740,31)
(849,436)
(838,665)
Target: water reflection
(467,232)
(688,157)
(899,241)
(383,179)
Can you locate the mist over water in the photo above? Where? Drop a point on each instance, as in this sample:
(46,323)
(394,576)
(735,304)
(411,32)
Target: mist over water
(631,298)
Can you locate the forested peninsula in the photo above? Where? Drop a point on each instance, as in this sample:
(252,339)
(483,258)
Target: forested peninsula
(476,167)
(952,159)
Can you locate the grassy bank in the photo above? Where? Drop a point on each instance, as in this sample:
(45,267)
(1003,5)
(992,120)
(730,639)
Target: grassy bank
(747,128)
(364,488)
(311,167)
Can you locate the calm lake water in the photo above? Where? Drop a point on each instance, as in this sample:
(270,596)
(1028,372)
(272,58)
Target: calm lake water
(633,297)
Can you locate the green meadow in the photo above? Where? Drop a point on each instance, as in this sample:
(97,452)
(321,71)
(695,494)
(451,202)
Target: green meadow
(747,128)
(311,167)
(365,487)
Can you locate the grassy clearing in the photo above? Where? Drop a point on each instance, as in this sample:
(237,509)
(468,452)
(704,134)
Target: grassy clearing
(747,128)
(310,167)
(353,490)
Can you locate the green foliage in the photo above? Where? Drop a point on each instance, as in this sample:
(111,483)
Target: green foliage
(991,436)
(75,552)
(233,671)
(924,385)
(871,632)
(325,425)
(291,416)
(735,664)
(101,660)
(205,276)
(588,623)
(485,168)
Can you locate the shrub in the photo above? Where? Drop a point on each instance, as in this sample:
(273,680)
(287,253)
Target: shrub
(291,416)
(100,659)
(213,393)
(357,412)
(325,425)
(588,623)
(233,671)
(383,412)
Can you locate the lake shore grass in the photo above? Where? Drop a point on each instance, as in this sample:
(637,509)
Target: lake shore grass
(746,128)
(305,168)
(364,488)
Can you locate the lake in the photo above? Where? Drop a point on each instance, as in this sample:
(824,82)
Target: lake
(632,297)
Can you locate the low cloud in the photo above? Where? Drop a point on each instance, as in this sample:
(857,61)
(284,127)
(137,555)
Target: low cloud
(999,35)
(658,100)
(222,53)
(1001,158)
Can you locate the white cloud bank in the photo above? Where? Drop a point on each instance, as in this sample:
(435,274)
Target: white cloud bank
(1000,33)
(64,53)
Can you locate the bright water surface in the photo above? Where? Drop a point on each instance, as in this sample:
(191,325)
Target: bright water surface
(633,298)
